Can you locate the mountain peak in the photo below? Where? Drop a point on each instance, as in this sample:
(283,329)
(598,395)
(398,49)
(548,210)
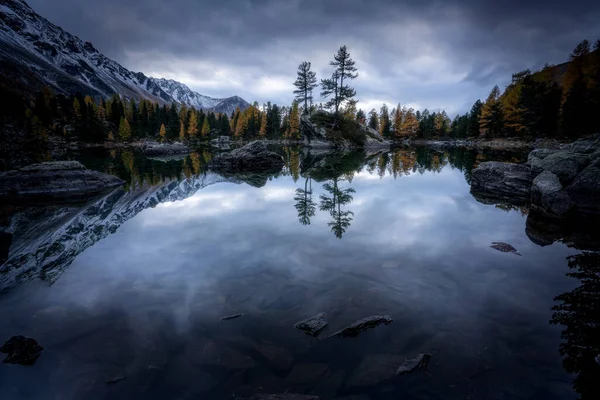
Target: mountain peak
(37,53)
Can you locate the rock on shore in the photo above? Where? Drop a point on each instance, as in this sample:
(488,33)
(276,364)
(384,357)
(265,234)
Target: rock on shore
(55,179)
(555,181)
(253,157)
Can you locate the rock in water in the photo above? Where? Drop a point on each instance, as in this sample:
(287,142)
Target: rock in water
(253,157)
(234,316)
(547,193)
(283,396)
(502,181)
(420,363)
(504,247)
(21,350)
(55,179)
(585,189)
(151,149)
(313,325)
(357,327)
(115,380)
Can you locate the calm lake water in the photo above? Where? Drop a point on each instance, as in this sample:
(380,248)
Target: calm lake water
(133,284)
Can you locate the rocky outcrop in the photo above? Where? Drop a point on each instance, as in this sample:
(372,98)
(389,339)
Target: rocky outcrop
(359,326)
(321,130)
(313,325)
(420,363)
(155,149)
(548,193)
(253,157)
(57,178)
(498,182)
(21,350)
(556,181)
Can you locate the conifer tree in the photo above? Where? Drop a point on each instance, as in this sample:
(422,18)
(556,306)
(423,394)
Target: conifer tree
(264,125)
(124,129)
(205,128)
(491,118)
(474,116)
(373,120)
(398,121)
(77,109)
(335,87)
(294,121)
(385,125)
(361,118)
(181,130)
(163,132)
(193,125)
(305,83)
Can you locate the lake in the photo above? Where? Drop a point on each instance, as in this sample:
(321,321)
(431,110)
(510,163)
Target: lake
(133,284)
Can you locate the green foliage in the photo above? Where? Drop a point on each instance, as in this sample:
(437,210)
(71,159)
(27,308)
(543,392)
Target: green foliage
(305,83)
(334,88)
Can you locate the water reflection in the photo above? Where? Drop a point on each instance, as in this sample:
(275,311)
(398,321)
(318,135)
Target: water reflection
(333,202)
(578,311)
(304,203)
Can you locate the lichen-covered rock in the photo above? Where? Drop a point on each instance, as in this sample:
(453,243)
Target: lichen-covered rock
(253,157)
(548,194)
(500,181)
(55,179)
(313,325)
(359,326)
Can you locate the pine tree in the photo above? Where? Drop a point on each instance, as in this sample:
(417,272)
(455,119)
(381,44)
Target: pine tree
(124,129)
(77,109)
(361,118)
(491,119)
(163,132)
(373,120)
(294,121)
(385,125)
(335,87)
(264,125)
(305,83)
(181,130)
(205,128)
(193,128)
(398,121)
(474,115)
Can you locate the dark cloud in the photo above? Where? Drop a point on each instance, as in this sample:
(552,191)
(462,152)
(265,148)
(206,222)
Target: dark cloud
(423,53)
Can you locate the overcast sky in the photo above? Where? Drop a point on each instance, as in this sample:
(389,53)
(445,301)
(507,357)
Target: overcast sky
(419,53)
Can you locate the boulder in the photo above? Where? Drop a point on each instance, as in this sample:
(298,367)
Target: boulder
(585,189)
(253,157)
(359,326)
(540,154)
(502,181)
(585,145)
(548,194)
(55,179)
(155,149)
(322,130)
(21,350)
(505,248)
(564,164)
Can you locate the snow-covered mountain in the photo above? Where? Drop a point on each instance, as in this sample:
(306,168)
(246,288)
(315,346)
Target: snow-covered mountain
(45,240)
(35,53)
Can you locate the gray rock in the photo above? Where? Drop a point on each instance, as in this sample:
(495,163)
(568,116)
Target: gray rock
(21,350)
(55,179)
(152,149)
(548,193)
(564,164)
(253,157)
(283,396)
(500,181)
(420,363)
(540,154)
(585,189)
(313,325)
(583,146)
(359,326)
(234,316)
(504,247)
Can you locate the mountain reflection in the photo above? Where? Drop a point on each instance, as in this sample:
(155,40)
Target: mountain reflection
(578,311)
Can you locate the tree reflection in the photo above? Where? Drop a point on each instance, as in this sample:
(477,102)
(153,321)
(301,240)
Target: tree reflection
(304,203)
(333,204)
(579,312)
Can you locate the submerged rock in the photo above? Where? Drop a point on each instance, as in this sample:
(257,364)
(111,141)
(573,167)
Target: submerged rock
(55,179)
(21,350)
(502,181)
(504,247)
(548,193)
(359,326)
(253,157)
(283,396)
(115,380)
(234,316)
(420,363)
(152,149)
(313,325)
